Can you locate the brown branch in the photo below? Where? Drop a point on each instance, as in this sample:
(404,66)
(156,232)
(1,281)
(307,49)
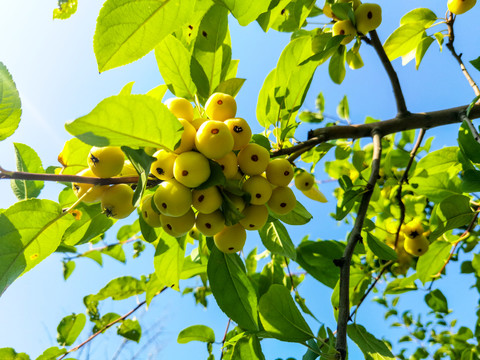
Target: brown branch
(20,175)
(353,239)
(109,325)
(397,90)
(451,37)
(410,121)
(403,180)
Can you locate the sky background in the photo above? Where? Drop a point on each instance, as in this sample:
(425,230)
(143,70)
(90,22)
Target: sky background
(54,67)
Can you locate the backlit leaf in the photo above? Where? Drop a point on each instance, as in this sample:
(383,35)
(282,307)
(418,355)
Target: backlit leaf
(27,161)
(10,106)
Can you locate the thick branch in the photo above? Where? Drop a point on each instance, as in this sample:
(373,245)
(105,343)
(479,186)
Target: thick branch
(397,90)
(458,57)
(20,175)
(426,120)
(344,297)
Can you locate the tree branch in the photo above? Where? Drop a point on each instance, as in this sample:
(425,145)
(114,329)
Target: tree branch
(109,325)
(353,239)
(410,121)
(101,248)
(451,37)
(20,175)
(397,90)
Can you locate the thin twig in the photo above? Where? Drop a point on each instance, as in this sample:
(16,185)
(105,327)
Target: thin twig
(403,180)
(225,337)
(451,37)
(397,90)
(109,325)
(290,274)
(353,239)
(410,121)
(101,248)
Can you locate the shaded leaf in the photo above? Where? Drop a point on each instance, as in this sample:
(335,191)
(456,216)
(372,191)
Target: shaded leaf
(130,329)
(372,348)
(69,328)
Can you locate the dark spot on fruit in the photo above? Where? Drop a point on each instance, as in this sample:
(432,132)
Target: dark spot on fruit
(286,173)
(369,15)
(94,159)
(342,32)
(283,204)
(77,188)
(184,172)
(215,131)
(201,198)
(258,196)
(414,234)
(160,171)
(208,225)
(220,102)
(231,248)
(204,33)
(190,27)
(164,205)
(252,225)
(254,158)
(223,167)
(169,227)
(282,12)
(307,183)
(237,129)
(146,213)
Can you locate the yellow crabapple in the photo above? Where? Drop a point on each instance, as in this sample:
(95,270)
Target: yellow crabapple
(80,189)
(172,198)
(210,224)
(106,162)
(207,200)
(117,201)
(282,200)
(255,217)
(191,169)
(259,189)
(178,225)
(241,132)
(162,167)
(231,239)
(253,159)
(181,108)
(221,107)
(279,172)
(213,139)
(149,214)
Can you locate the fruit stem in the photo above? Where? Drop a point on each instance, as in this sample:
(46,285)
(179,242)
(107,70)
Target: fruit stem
(353,239)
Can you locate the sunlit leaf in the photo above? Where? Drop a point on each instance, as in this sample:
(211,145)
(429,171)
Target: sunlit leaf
(196,333)
(70,328)
(10,106)
(27,161)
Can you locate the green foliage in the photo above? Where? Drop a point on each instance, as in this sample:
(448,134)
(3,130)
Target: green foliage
(69,328)
(66,8)
(371,347)
(27,161)
(10,105)
(276,239)
(196,333)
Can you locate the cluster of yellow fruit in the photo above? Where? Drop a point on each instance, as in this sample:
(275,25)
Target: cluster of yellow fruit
(412,241)
(181,203)
(368,17)
(460,6)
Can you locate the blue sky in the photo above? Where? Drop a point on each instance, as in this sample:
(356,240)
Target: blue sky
(53,65)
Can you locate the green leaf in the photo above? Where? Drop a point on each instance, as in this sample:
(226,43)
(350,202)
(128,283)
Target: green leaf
(27,161)
(342,109)
(433,260)
(130,329)
(437,187)
(346,202)
(158,92)
(168,260)
(217,177)
(380,249)
(267,107)
(336,66)
(401,285)
(471,181)
(68,267)
(354,59)
(127,30)
(69,328)
(127,89)
(344,11)
(275,12)
(281,318)
(437,301)
(302,303)
(468,144)
(403,40)
(232,289)
(298,216)
(66,8)
(439,160)
(30,231)
(276,239)
(73,156)
(196,333)
(173,61)
(51,353)
(231,86)
(141,161)
(317,258)
(248,348)
(121,288)
(372,348)
(292,16)
(421,16)
(10,105)
(476,63)
(134,120)
(90,223)
(451,213)
(11,354)
(212,51)
(246,11)
(422,48)
(116,252)
(106,319)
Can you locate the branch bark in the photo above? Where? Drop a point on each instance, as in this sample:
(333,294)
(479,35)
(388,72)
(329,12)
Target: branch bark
(397,90)
(410,121)
(353,239)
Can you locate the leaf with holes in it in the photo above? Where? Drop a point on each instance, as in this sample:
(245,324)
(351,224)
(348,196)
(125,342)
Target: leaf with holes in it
(27,161)
(30,231)
(127,30)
